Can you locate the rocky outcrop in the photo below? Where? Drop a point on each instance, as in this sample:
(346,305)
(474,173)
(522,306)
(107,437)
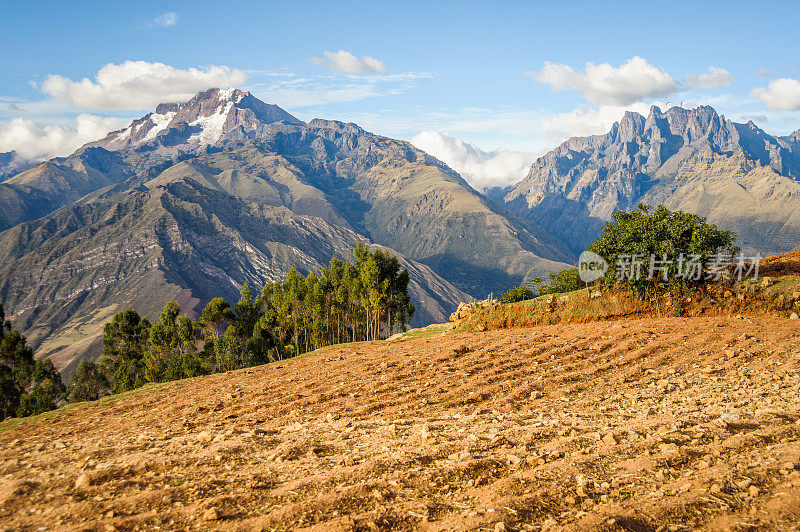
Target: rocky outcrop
(465,311)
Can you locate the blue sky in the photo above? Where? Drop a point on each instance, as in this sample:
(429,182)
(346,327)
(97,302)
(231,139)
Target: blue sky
(455,71)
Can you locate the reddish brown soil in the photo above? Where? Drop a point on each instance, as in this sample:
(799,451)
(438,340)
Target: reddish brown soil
(659,424)
(780,265)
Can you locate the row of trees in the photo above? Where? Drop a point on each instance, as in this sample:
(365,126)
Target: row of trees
(365,300)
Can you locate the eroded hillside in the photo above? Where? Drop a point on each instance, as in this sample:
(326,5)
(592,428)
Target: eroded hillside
(658,424)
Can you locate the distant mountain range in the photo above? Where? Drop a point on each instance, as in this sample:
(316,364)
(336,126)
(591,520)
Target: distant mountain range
(11,163)
(193,200)
(695,160)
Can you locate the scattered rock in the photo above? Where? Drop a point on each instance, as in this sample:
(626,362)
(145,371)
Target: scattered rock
(668,448)
(611,439)
(83,481)
(210,515)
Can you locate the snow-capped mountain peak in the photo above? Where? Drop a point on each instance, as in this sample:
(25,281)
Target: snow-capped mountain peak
(200,122)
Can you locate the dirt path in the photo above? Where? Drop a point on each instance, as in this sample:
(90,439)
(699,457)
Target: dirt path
(664,424)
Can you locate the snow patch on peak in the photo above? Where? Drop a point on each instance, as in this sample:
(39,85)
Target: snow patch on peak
(226,94)
(212,126)
(160,123)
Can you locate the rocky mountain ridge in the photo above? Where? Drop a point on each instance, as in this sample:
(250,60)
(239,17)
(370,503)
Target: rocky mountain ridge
(689,159)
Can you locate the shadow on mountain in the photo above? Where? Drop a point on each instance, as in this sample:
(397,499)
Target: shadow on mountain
(470,277)
(563,218)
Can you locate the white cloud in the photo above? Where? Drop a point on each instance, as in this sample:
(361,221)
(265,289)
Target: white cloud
(713,79)
(140,85)
(764,73)
(33,140)
(347,63)
(606,84)
(292,92)
(164,21)
(587,121)
(781,94)
(480,168)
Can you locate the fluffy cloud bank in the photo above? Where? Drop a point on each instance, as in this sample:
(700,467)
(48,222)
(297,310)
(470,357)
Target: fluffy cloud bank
(633,81)
(347,63)
(135,85)
(713,79)
(781,94)
(482,169)
(36,141)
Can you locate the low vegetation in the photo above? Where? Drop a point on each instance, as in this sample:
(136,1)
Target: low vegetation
(566,280)
(694,271)
(516,294)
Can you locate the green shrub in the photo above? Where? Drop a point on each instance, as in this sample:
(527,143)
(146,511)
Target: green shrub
(567,280)
(16,367)
(518,293)
(673,238)
(47,390)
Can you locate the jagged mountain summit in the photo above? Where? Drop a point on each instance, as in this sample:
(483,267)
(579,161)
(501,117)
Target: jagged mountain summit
(202,121)
(737,175)
(193,200)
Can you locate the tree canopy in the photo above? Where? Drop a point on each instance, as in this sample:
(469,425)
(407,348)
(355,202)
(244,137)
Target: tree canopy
(652,250)
(27,387)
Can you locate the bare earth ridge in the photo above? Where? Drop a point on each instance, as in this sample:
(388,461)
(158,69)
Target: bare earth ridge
(658,424)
